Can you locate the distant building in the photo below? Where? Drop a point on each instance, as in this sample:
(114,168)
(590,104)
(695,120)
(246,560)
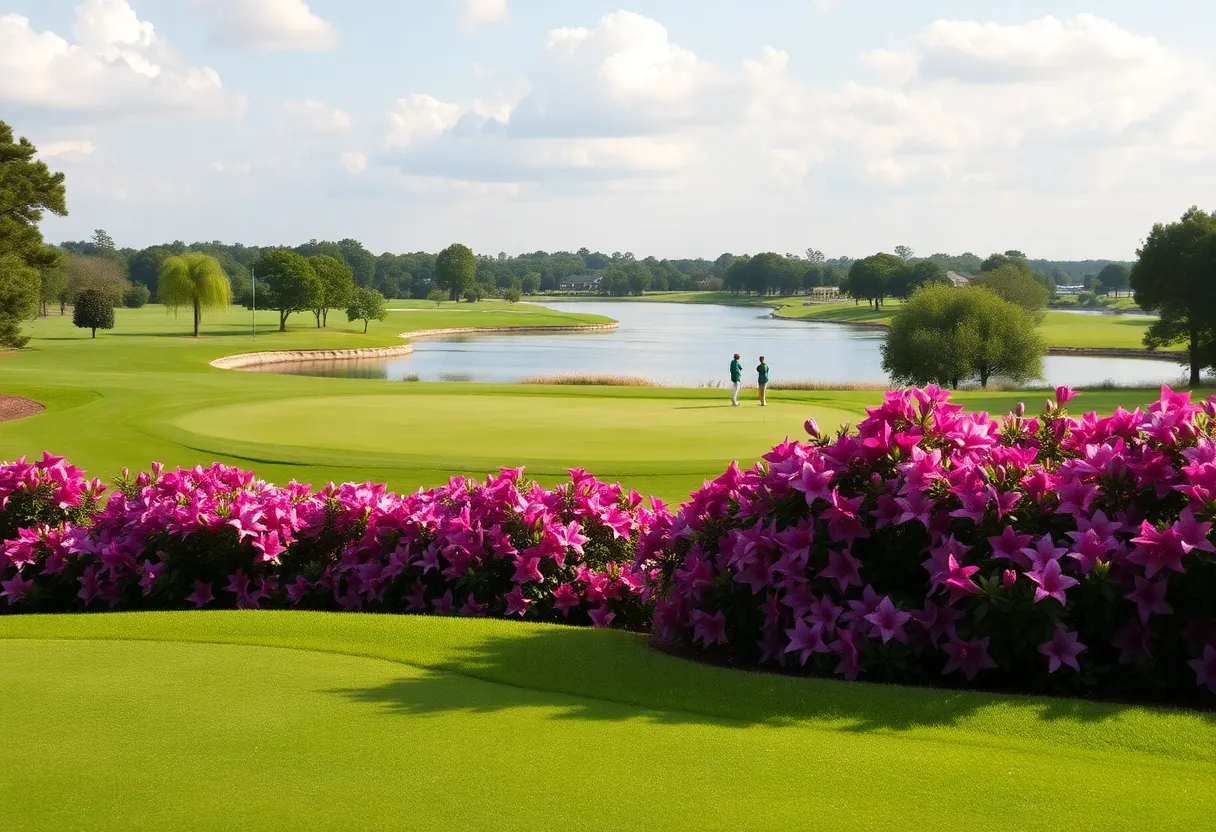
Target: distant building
(580,282)
(823,294)
(957,279)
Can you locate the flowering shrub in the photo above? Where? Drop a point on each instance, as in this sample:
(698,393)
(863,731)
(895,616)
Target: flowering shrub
(1054,554)
(218,537)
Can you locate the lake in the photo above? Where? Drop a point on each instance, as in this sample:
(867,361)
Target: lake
(685,345)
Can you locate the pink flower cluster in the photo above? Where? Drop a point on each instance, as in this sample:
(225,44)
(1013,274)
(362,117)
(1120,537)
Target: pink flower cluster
(1056,554)
(219,537)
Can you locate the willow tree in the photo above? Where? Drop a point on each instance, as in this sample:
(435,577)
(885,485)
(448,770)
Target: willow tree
(195,281)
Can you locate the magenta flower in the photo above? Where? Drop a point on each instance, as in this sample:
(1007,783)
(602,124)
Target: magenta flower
(814,480)
(1157,550)
(527,570)
(149,572)
(1205,668)
(90,585)
(565,599)
(957,579)
(1062,649)
(848,646)
(1009,545)
(15,588)
(823,614)
(709,629)
(1052,583)
(1043,553)
(517,604)
(844,569)
(1194,535)
(297,589)
(600,617)
(889,622)
(472,609)
(805,640)
(968,656)
(202,595)
(444,604)
(1008,578)
(1149,597)
(1064,395)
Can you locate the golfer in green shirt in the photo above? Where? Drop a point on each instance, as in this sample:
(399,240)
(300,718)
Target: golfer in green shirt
(762,377)
(736,376)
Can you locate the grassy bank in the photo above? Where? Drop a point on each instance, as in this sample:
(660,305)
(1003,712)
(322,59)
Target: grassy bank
(220,720)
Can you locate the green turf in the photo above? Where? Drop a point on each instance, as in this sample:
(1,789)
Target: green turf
(202,721)
(146,392)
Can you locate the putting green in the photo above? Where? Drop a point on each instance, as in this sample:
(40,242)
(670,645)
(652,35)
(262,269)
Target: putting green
(489,430)
(204,721)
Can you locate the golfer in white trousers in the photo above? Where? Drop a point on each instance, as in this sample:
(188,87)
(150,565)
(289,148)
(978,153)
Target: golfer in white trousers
(736,376)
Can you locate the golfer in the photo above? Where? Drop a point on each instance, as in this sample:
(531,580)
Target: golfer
(736,376)
(762,377)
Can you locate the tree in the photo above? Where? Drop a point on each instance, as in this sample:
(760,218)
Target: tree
(104,243)
(870,278)
(1115,277)
(291,283)
(904,252)
(946,336)
(54,282)
(1016,285)
(366,305)
(995,261)
(1176,277)
(337,286)
(194,281)
(512,295)
(361,261)
(530,284)
(437,296)
(27,190)
(136,296)
(105,274)
(456,270)
(94,310)
(913,276)
(19,292)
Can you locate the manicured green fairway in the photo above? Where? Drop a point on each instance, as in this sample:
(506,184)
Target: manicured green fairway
(146,392)
(203,721)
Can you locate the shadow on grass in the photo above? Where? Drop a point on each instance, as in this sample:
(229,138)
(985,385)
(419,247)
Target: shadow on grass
(600,676)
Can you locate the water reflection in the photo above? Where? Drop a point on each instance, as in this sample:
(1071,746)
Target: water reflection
(687,345)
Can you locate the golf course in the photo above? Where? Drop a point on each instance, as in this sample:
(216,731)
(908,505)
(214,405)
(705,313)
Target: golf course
(218,719)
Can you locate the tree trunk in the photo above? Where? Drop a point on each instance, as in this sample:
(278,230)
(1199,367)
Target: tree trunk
(197,316)
(365,323)
(94,332)
(325,318)
(1194,356)
(318,314)
(282,321)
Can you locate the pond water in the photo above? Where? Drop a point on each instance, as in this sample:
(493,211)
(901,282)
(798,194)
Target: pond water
(689,346)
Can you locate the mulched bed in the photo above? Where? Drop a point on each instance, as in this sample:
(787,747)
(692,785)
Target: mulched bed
(15,407)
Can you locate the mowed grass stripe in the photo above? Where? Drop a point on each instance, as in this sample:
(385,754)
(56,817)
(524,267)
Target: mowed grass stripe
(403,728)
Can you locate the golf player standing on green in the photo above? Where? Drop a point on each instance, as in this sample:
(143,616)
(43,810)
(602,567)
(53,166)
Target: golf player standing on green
(762,377)
(736,376)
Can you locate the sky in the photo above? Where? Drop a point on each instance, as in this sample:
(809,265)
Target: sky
(678,128)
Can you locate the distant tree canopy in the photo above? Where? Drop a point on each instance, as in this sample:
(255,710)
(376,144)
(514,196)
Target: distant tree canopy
(946,336)
(1176,277)
(93,310)
(104,274)
(19,297)
(291,284)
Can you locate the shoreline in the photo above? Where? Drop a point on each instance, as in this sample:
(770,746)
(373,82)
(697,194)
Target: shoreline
(270,357)
(1079,352)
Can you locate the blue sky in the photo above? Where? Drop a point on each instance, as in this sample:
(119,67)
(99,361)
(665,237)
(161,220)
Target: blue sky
(672,127)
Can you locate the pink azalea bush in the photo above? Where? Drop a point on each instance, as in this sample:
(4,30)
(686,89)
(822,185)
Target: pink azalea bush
(1056,554)
(218,537)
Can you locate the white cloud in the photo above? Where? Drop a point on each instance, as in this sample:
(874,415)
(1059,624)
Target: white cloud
(420,117)
(353,162)
(479,12)
(269,25)
(117,65)
(317,117)
(70,147)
